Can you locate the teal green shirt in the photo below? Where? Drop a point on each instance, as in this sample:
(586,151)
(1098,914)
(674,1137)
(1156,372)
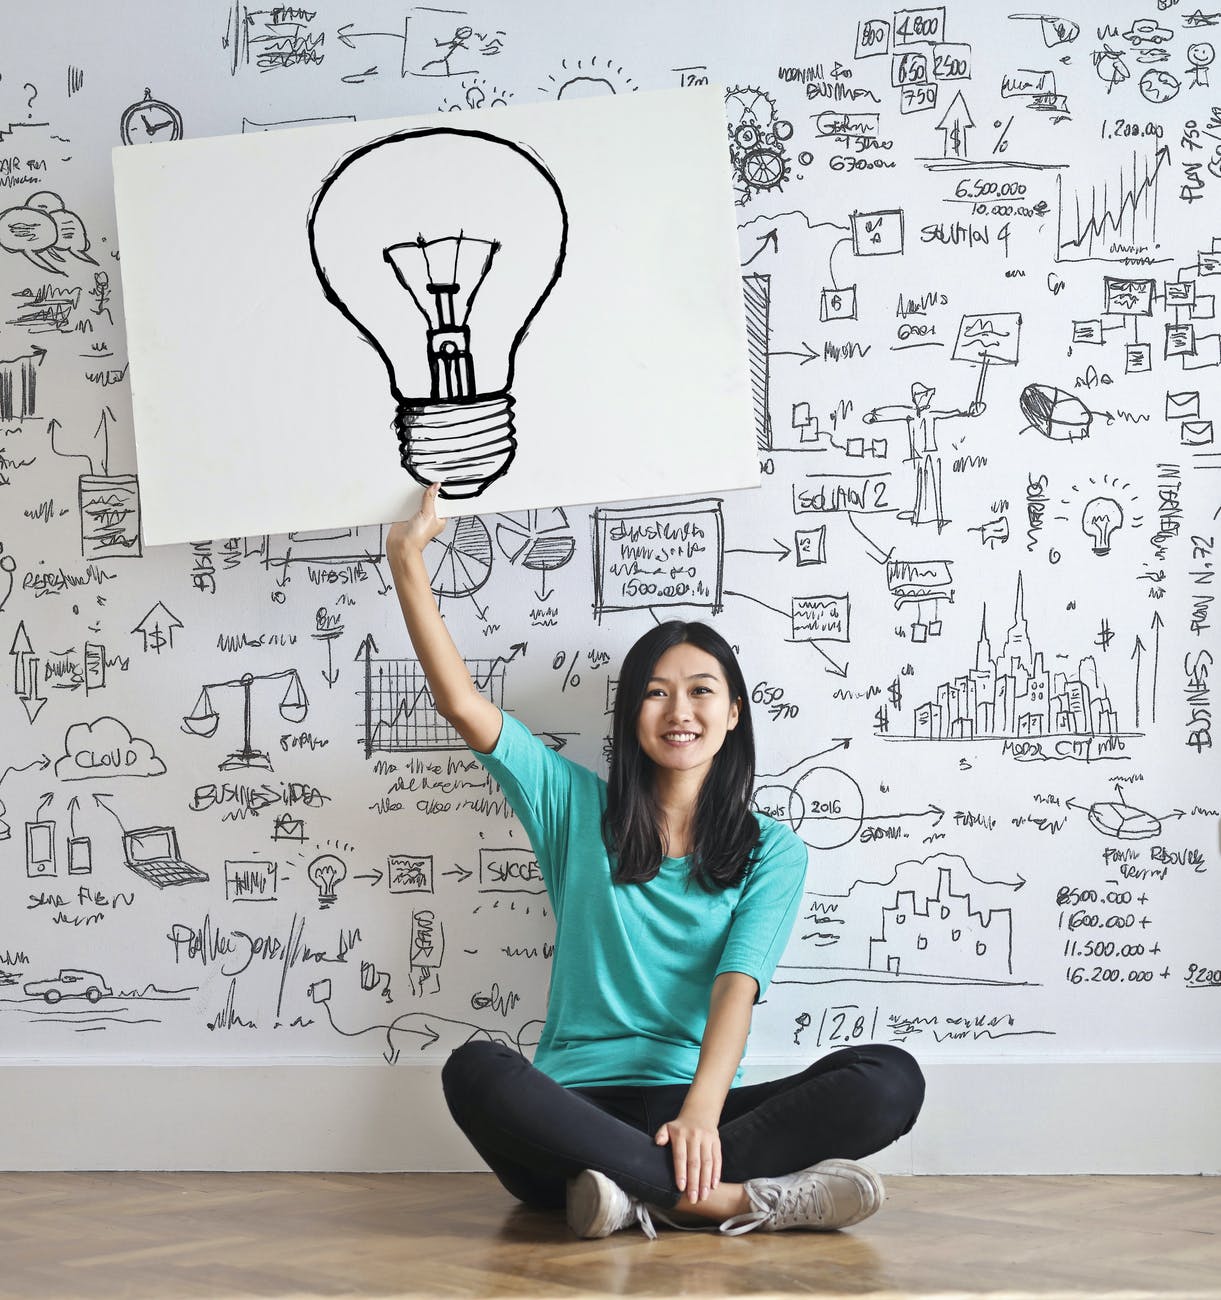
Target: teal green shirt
(633,965)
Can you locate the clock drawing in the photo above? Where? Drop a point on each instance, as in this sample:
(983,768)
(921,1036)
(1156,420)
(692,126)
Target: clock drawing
(149,120)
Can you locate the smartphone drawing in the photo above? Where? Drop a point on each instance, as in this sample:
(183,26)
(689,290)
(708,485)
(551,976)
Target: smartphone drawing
(39,849)
(80,855)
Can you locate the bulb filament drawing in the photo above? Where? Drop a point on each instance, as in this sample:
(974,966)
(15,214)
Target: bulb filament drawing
(400,240)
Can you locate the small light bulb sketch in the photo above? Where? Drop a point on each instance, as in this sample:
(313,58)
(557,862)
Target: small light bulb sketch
(440,246)
(325,872)
(1100,519)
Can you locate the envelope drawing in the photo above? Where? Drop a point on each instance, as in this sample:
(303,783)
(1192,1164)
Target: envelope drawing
(1183,406)
(1196,433)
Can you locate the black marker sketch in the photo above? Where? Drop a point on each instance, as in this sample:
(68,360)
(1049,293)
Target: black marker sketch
(80,847)
(110,516)
(331,555)
(1110,66)
(150,120)
(47,309)
(1056,414)
(69,983)
(1159,86)
(1117,220)
(280,37)
(203,719)
(954,124)
(453,379)
(606,79)
(250,125)
(1013,696)
(933,932)
(105,748)
(288,827)
(348,37)
(658,556)
(19,377)
(427,952)
(757,136)
(541,542)
(1146,35)
(756,300)
(1200,57)
(400,714)
(1100,519)
(1055,31)
(8,570)
(250,882)
(26,677)
(477,93)
(327,627)
(76,80)
(42,230)
(1121,820)
(409,873)
(40,847)
(157,628)
(921,421)
(152,853)
(325,873)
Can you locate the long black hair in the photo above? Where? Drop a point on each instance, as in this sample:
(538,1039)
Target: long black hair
(726,833)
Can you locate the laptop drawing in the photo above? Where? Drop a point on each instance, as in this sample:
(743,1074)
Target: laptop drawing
(152,852)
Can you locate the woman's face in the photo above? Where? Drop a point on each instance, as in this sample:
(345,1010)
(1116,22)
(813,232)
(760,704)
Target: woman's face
(687,710)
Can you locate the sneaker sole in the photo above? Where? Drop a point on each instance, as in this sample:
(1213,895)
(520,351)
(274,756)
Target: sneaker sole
(872,1191)
(587,1204)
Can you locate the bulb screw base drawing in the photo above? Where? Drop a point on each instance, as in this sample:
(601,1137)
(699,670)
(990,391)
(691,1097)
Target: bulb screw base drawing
(464,446)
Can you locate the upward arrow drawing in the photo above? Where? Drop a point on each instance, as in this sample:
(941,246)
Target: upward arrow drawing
(954,122)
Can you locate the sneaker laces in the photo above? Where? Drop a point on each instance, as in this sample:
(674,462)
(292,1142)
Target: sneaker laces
(640,1212)
(780,1206)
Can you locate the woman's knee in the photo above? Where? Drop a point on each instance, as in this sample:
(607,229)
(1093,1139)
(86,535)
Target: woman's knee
(470,1068)
(900,1081)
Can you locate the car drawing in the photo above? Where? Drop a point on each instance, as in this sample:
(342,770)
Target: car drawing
(70,983)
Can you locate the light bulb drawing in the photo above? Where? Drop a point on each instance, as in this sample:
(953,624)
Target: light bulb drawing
(203,718)
(440,246)
(1101,518)
(325,872)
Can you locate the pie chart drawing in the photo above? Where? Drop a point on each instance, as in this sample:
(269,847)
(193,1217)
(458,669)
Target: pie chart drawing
(1123,822)
(460,564)
(542,543)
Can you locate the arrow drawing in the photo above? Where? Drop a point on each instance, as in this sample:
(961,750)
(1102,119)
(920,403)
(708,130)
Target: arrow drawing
(157,628)
(1157,626)
(349,38)
(25,673)
(954,124)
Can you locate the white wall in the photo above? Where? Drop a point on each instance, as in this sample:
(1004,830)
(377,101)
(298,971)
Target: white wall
(1032,916)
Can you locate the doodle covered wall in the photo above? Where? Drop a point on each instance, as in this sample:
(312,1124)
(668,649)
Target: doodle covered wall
(974,594)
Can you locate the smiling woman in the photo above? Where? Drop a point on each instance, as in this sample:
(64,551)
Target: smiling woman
(674,899)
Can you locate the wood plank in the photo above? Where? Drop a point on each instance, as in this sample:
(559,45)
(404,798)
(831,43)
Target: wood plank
(181,1236)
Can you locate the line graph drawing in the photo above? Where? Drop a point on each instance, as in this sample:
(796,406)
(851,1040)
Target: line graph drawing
(1117,220)
(400,714)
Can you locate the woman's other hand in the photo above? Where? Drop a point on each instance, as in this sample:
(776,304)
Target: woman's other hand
(696,1145)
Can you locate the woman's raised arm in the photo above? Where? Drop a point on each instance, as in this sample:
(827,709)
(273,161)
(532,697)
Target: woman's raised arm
(476,719)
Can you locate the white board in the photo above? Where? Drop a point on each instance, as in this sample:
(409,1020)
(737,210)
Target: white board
(994,729)
(539,306)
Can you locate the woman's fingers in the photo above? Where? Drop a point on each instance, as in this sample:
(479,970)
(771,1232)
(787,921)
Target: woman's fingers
(680,1162)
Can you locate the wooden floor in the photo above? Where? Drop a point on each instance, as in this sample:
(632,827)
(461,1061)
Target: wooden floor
(165,1236)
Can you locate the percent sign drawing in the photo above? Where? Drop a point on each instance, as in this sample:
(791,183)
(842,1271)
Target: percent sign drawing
(1001,143)
(567,664)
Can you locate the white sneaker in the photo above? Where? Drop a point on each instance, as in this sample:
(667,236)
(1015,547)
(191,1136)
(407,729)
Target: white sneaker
(831,1194)
(598,1206)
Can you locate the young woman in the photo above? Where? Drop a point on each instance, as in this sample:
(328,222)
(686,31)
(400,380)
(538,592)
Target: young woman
(673,903)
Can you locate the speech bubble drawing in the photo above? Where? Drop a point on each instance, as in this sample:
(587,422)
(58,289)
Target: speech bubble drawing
(41,229)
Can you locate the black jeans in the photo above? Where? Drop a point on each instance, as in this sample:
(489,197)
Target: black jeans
(536,1134)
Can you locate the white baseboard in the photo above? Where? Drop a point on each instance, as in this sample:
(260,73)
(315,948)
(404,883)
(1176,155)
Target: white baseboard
(1001,1117)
